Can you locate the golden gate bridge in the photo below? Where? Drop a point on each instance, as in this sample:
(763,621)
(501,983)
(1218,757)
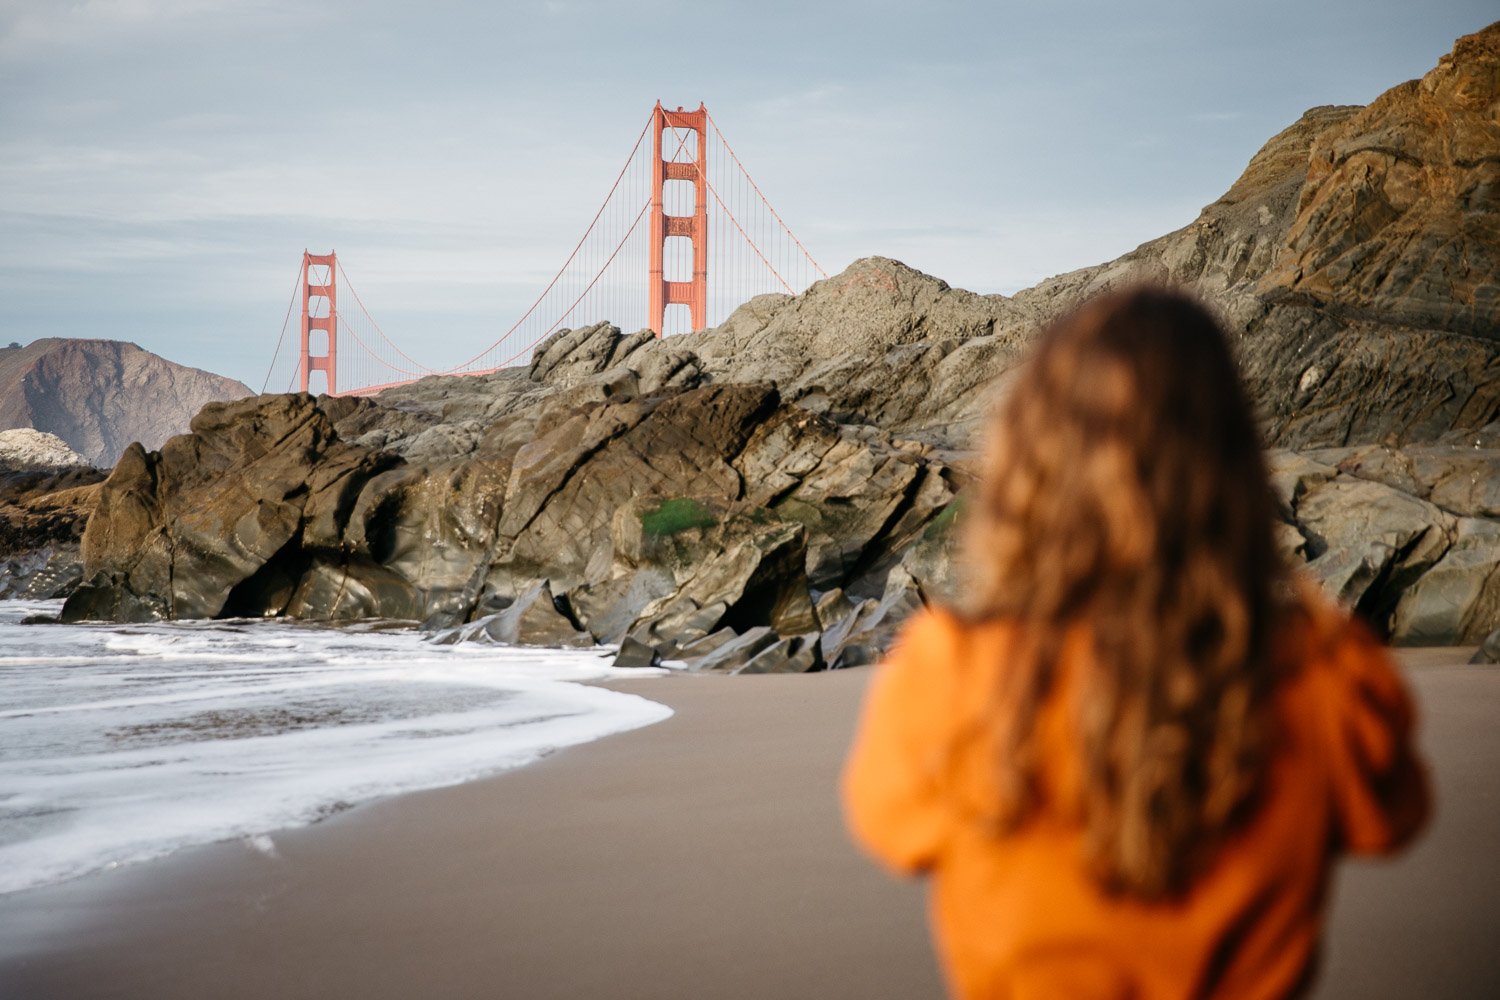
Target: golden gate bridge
(683,237)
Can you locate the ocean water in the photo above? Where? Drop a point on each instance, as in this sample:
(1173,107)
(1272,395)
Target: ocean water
(120,743)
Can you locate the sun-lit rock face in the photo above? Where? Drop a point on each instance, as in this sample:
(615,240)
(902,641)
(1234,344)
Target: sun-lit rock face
(1398,215)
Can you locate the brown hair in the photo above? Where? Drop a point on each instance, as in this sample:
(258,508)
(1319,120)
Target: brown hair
(1125,495)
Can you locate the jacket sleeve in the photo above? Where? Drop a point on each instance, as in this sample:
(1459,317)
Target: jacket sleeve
(1380,791)
(894,802)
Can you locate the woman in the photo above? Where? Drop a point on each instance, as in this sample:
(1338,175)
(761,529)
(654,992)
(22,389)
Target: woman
(1129,762)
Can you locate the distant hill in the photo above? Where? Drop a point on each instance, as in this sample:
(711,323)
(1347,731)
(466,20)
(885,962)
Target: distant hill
(100,395)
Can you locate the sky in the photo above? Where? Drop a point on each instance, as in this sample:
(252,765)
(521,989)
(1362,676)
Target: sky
(163,163)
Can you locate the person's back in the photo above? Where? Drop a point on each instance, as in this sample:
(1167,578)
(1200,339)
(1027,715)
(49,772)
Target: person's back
(1128,766)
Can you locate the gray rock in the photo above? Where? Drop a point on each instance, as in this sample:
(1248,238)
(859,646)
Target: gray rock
(796,655)
(734,654)
(1294,474)
(41,574)
(532,620)
(1457,600)
(634,653)
(707,644)
(867,632)
(1362,533)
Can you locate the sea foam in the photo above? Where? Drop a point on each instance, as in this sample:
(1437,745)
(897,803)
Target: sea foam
(122,743)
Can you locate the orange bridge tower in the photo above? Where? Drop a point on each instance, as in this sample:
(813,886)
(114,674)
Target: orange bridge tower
(694,293)
(320,311)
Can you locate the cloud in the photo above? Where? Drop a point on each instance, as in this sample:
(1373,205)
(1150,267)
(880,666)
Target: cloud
(35,28)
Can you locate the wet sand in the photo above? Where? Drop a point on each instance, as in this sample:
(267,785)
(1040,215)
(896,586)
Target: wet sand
(700,857)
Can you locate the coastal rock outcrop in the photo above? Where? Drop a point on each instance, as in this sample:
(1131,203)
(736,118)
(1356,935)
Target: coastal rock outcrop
(665,518)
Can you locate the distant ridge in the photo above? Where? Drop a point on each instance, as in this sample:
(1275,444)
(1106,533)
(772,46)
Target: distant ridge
(100,395)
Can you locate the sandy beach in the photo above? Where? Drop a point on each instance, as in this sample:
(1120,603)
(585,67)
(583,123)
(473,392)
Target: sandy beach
(699,857)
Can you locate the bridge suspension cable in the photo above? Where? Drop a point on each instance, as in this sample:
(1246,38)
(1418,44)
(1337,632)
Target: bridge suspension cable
(720,237)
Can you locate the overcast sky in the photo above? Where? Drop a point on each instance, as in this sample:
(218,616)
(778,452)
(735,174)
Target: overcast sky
(163,163)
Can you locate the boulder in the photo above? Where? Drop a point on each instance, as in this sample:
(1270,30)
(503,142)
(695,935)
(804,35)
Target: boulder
(796,655)
(532,620)
(730,656)
(865,634)
(1457,600)
(634,653)
(257,480)
(1368,541)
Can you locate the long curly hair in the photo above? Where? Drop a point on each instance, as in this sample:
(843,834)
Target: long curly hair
(1125,499)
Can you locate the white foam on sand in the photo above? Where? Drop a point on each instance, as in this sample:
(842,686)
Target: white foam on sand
(122,743)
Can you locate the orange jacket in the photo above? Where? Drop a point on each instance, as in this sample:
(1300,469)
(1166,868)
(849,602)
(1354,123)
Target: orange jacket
(1017,916)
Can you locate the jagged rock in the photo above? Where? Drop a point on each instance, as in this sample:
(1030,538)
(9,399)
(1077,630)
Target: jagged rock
(634,653)
(707,644)
(732,655)
(1396,216)
(532,620)
(176,532)
(930,560)
(1293,474)
(1291,541)
(41,574)
(868,631)
(832,605)
(1368,541)
(675,570)
(799,654)
(41,508)
(1457,599)
(1462,480)
(100,395)
(566,483)
(838,634)
(857,497)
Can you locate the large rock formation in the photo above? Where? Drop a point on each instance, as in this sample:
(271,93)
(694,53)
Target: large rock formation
(100,395)
(667,517)
(779,492)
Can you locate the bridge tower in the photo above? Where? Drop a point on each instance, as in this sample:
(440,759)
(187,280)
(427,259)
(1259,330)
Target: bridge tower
(320,311)
(694,293)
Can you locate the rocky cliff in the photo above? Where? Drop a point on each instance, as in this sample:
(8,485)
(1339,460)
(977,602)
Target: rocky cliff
(778,492)
(100,395)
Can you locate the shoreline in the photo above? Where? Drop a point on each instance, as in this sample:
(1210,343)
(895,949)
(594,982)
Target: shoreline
(702,855)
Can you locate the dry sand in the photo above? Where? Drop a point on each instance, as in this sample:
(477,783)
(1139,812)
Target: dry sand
(700,857)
